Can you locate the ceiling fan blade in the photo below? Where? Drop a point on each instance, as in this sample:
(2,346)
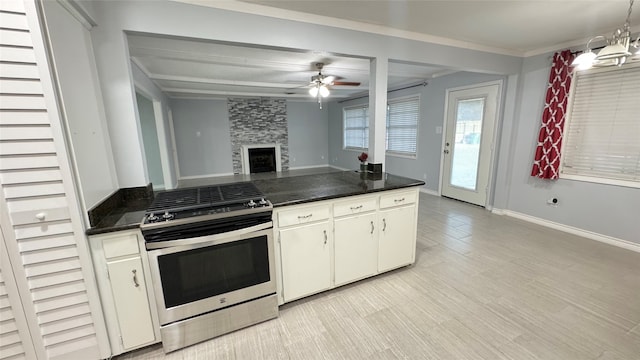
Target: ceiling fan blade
(346,83)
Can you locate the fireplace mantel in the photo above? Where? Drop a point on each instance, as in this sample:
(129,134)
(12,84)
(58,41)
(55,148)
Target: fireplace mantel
(245,155)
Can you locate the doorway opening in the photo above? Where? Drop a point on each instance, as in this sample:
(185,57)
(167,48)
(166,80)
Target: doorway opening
(154,144)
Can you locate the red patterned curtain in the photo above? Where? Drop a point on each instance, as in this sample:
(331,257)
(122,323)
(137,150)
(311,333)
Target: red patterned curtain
(547,160)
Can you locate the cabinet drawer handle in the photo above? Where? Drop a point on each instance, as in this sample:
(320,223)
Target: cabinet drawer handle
(372,228)
(325,236)
(356,207)
(135,278)
(398,200)
(304,216)
(384,224)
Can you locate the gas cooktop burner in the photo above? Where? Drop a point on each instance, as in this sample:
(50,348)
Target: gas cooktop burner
(205,203)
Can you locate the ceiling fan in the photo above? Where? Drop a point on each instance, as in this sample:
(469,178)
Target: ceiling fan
(319,85)
(328,79)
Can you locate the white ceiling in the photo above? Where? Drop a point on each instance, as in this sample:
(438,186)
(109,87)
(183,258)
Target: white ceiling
(195,68)
(205,69)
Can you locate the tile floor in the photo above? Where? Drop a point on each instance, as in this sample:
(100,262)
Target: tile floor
(484,286)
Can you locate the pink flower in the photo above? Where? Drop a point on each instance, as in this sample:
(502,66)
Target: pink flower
(363,157)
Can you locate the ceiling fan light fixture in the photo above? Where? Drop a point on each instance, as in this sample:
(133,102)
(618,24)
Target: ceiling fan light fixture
(613,51)
(617,52)
(324,91)
(584,61)
(313,91)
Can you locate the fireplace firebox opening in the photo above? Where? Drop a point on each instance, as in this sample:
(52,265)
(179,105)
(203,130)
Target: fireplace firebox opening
(262,160)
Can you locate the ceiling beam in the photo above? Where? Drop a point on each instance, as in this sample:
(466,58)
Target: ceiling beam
(239,93)
(191,79)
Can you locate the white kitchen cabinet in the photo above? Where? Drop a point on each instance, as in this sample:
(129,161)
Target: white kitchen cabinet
(356,248)
(132,305)
(331,243)
(124,290)
(397,237)
(306,253)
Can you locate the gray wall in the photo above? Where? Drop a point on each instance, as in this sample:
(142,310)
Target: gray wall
(210,153)
(604,209)
(308,134)
(615,216)
(426,165)
(178,19)
(203,143)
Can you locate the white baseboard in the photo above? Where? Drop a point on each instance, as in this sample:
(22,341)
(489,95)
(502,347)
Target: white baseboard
(625,244)
(429,191)
(307,167)
(204,176)
(340,168)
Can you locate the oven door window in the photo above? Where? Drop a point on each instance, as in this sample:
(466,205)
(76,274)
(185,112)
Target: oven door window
(201,273)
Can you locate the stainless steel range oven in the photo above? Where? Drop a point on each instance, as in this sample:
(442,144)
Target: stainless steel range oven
(211,255)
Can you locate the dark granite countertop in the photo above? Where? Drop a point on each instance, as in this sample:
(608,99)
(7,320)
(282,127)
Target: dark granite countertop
(307,188)
(123,210)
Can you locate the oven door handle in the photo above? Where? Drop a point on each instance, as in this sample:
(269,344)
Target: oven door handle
(213,239)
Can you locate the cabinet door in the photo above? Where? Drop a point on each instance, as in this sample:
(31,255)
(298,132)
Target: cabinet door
(130,298)
(397,237)
(356,248)
(306,260)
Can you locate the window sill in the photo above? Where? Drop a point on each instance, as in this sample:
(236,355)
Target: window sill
(604,181)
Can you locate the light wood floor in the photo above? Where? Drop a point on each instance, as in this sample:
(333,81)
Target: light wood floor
(484,286)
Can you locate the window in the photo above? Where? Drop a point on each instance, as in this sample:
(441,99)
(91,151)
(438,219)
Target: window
(602,136)
(356,127)
(402,125)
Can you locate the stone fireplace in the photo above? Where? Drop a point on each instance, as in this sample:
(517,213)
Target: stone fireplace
(258,123)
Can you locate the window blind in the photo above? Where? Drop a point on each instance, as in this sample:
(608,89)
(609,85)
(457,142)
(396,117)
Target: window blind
(402,125)
(356,127)
(602,136)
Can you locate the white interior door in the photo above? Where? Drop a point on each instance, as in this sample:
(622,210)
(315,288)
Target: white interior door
(470,122)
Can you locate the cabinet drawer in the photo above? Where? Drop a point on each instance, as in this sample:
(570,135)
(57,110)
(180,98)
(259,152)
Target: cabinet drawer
(120,245)
(303,215)
(354,206)
(398,198)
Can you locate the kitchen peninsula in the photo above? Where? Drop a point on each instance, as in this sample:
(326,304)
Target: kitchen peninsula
(298,235)
(336,228)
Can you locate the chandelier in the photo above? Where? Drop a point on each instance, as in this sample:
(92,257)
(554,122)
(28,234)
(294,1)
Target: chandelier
(619,49)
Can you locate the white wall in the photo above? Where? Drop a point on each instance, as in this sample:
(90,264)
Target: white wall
(82,103)
(177,19)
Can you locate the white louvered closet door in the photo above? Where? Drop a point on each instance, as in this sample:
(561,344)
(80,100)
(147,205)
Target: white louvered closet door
(39,214)
(13,324)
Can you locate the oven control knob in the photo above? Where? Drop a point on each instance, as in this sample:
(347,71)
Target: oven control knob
(167,216)
(262,202)
(252,204)
(152,218)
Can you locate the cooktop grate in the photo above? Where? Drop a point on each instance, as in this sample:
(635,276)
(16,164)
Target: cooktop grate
(197,198)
